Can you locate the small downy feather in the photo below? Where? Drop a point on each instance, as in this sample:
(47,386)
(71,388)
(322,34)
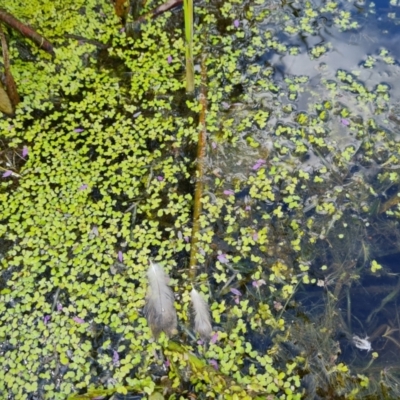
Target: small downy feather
(202,319)
(159,309)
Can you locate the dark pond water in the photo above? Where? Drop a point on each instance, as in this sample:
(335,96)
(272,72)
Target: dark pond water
(351,312)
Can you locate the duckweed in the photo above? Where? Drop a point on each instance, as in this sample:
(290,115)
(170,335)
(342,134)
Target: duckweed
(106,183)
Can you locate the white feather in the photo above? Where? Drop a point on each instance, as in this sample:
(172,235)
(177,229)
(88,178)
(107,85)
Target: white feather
(202,319)
(159,309)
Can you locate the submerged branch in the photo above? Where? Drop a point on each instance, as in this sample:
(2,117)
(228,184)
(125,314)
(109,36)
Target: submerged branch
(201,154)
(25,30)
(168,5)
(393,201)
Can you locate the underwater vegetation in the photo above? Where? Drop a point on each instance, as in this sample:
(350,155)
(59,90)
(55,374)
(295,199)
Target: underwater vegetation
(299,226)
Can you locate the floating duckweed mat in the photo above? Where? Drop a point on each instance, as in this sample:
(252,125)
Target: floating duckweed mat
(300,193)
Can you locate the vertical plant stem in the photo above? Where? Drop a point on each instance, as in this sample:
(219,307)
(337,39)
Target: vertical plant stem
(11,86)
(201,154)
(188,15)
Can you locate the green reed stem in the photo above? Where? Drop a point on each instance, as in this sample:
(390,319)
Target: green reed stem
(188,14)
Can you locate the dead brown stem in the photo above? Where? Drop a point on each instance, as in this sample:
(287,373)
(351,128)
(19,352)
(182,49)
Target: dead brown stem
(11,87)
(121,8)
(200,170)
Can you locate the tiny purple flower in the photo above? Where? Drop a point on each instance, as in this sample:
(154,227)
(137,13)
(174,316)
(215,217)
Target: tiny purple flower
(345,122)
(83,187)
(258,283)
(258,165)
(25,151)
(213,145)
(214,363)
(167,363)
(46,319)
(115,358)
(229,192)
(214,338)
(120,257)
(78,130)
(236,23)
(236,292)
(122,30)
(255,236)
(222,258)
(247,208)
(79,320)
(225,105)
(7,174)
(186,239)
(59,307)
(169,59)
(160,178)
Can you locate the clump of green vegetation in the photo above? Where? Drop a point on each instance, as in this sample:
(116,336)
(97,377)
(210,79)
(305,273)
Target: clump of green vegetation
(98,180)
